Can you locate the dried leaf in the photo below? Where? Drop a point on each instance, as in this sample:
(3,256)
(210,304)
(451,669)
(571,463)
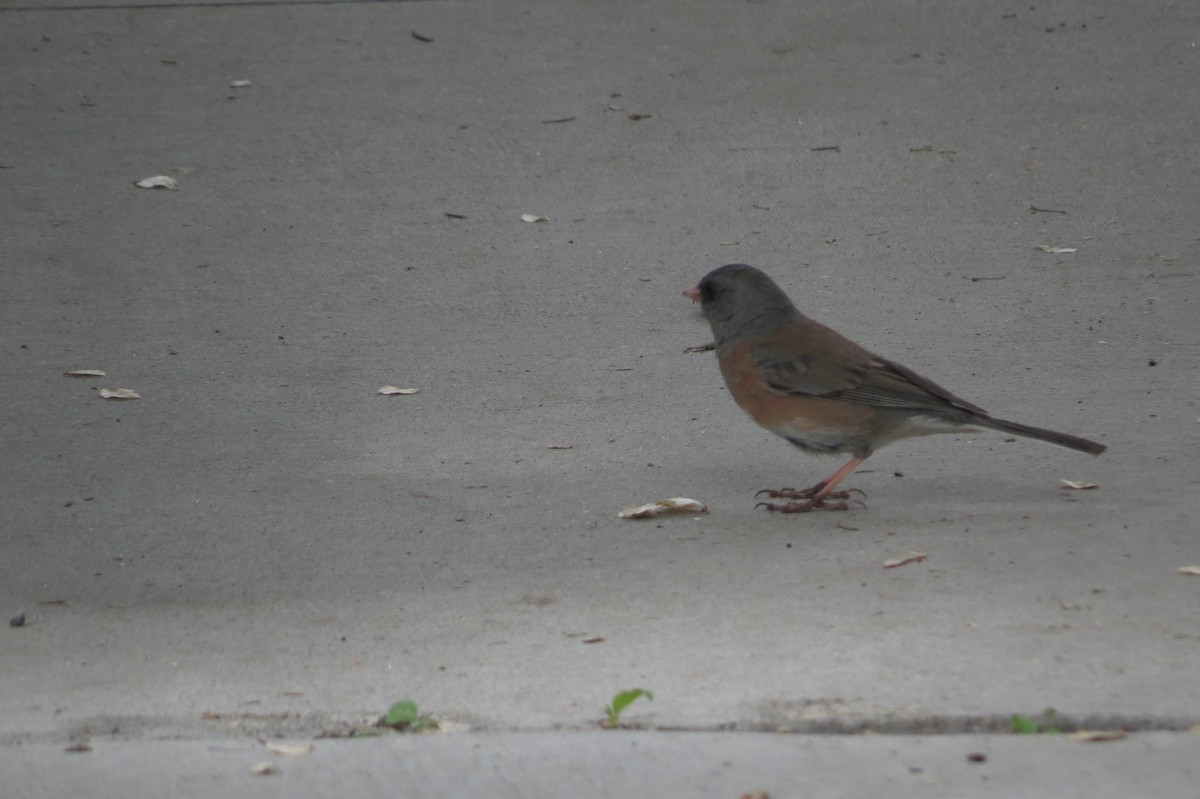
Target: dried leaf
(86,373)
(675,505)
(238,84)
(533,218)
(264,768)
(1193,571)
(158,182)
(119,394)
(393,390)
(1079,485)
(911,557)
(289,750)
(1055,250)
(1096,736)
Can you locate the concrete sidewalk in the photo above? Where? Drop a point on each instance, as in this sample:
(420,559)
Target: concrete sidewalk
(262,545)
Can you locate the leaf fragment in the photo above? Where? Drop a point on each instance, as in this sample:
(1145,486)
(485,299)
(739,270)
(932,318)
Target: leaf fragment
(86,373)
(404,716)
(533,218)
(911,557)
(390,391)
(158,182)
(663,507)
(1078,485)
(1096,736)
(119,394)
(289,750)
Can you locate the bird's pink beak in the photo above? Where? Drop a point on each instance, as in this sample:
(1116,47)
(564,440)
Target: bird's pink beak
(693,294)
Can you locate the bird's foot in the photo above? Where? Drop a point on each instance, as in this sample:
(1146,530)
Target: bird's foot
(810,505)
(808,499)
(813,493)
(709,347)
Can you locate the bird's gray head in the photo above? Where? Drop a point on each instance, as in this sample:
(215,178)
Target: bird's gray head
(739,300)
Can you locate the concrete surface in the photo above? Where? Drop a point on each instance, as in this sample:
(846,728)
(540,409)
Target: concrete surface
(634,764)
(264,546)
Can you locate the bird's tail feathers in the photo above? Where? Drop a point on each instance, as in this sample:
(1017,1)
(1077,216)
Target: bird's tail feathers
(1061,439)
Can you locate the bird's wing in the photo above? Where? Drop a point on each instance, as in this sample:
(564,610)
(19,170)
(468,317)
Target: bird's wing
(865,380)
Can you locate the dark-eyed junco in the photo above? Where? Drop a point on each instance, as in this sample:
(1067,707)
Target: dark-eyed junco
(821,391)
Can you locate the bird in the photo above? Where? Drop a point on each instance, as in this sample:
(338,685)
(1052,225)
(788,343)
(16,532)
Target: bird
(822,392)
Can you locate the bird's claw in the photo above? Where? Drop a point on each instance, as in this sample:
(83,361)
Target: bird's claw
(812,504)
(709,347)
(807,493)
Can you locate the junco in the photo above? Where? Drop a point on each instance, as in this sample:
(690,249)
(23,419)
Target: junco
(821,391)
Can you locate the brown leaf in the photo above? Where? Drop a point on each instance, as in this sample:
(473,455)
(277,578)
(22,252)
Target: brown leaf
(289,750)
(1079,485)
(158,182)
(673,506)
(911,557)
(1096,736)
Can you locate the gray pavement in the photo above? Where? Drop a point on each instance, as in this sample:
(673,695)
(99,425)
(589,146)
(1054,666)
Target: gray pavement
(262,546)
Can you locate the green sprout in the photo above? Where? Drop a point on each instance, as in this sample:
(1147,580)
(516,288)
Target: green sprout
(404,716)
(622,700)
(1025,725)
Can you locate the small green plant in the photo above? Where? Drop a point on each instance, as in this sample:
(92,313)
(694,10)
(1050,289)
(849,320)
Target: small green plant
(404,716)
(1025,725)
(622,700)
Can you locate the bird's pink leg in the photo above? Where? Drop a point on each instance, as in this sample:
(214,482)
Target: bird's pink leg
(815,497)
